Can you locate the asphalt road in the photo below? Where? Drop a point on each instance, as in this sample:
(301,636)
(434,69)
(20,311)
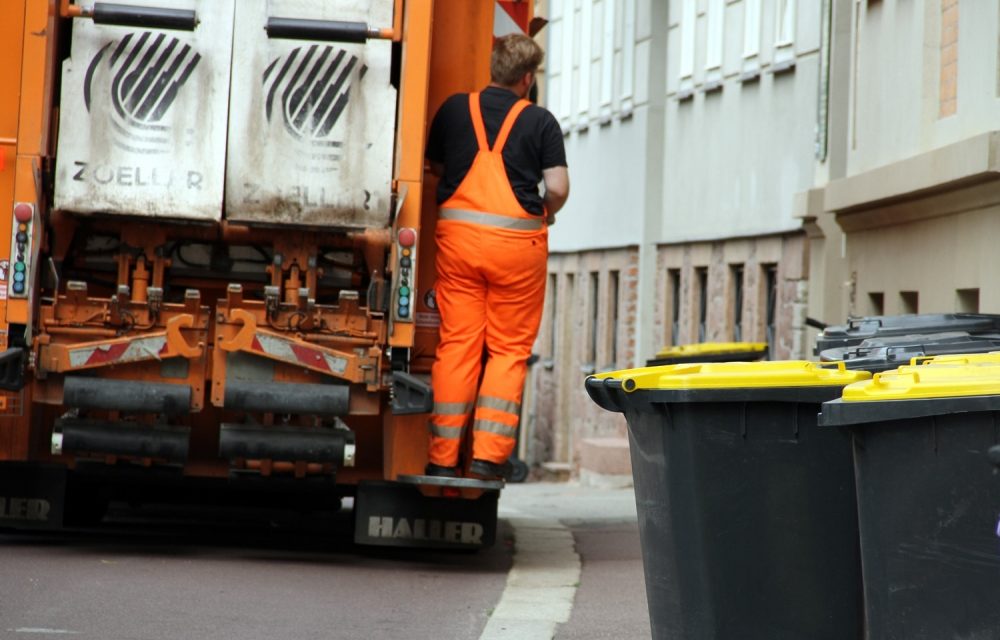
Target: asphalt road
(204,574)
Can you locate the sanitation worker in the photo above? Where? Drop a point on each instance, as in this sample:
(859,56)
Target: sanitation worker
(491,150)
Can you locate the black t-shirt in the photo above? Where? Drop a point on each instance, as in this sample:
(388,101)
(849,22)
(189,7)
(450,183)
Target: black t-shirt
(535,144)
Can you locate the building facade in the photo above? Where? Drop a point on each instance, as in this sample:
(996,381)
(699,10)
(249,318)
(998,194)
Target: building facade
(917,198)
(751,169)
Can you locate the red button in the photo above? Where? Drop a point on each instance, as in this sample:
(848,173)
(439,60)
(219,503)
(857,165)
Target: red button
(407,237)
(22,212)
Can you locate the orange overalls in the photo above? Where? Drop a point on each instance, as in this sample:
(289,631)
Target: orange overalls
(491,267)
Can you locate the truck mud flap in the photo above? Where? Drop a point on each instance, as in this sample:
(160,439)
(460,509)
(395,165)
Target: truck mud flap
(32,495)
(397,514)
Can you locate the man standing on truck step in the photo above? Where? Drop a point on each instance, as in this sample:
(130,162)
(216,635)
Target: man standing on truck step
(491,149)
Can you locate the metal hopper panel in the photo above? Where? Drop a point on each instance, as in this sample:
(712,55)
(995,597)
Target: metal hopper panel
(142,128)
(311,128)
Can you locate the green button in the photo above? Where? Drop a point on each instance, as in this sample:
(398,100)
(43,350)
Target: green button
(404,291)
(18,266)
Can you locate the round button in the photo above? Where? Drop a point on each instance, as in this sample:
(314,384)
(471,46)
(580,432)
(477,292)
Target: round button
(22,227)
(23,211)
(18,287)
(407,237)
(404,262)
(18,266)
(404,301)
(404,291)
(19,276)
(21,237)
(403,311)
(406,252)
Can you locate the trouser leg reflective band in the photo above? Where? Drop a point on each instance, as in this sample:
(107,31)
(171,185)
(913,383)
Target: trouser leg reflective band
(447,424)
(495,428)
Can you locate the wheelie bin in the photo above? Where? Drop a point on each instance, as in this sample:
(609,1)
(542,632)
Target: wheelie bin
(928,498)
(859,329)
(710,352)
(886,353)
(747,518)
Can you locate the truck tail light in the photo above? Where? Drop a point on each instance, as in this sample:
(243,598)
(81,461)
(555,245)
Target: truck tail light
(20,249)
(406,250)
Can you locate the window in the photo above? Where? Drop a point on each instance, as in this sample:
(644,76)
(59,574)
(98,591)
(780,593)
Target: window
(713,54)
(909,301)
(968,300)
(736,278)
(607,60)
(784,36)
(876,303)
(628,59)
(701,273)
(567,32)
(594,300)
(585,59)
(568,312)
(612,323)
(770,307)
(686,71)
(751,40)
(674,296)
(553,316)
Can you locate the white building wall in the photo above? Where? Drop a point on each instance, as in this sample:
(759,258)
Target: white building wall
(738,150)
(896,75)
(598,68)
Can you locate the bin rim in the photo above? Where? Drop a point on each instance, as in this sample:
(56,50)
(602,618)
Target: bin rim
(838,413)
(609,395)
(711,349)
(736,375)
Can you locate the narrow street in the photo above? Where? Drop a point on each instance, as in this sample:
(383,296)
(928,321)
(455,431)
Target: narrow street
(189,573)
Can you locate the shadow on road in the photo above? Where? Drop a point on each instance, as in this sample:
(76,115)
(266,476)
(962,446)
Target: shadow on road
(249,533)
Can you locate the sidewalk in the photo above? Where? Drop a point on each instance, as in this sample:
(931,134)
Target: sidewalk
(608,598)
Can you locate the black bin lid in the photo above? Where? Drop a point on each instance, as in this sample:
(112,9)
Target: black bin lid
(859,329)
(889,352)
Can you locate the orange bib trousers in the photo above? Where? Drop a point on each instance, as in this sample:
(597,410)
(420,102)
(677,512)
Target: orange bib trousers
(491,269)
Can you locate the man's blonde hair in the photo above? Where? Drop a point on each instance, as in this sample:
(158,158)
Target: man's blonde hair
(513,56)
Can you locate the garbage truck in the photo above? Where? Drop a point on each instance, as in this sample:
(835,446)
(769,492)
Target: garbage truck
(218,279)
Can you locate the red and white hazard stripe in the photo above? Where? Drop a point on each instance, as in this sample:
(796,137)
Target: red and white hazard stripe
(297,353)
(509,17)
(118,353)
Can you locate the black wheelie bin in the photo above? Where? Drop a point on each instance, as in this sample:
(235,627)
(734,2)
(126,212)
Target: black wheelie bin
(928,498)
(888,352)
(859,329)
(747,515)
(710,352)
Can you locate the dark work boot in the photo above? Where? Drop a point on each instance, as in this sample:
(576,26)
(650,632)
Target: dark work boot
(486,470)
(439,471)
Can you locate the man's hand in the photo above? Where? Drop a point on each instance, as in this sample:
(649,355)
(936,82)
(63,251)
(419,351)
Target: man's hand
(550,219)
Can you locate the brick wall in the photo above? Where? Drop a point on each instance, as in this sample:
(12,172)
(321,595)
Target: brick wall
(750,261)
(948,90)
(578,336)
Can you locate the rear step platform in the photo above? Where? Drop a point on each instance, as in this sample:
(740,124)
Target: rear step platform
(459,513)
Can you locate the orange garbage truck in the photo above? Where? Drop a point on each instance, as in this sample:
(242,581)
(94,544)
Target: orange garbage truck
(218,277)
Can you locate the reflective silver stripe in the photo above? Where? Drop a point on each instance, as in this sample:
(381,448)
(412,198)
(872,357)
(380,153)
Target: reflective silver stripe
(493,219)
(498,428)
(511,407)
(449,433)
(452,408)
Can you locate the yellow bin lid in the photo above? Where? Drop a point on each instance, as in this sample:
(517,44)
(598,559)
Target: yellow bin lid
(926,382)
(737,375)
(710,348)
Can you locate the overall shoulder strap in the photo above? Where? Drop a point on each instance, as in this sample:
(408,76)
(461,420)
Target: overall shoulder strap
(477,121)
(508,124)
